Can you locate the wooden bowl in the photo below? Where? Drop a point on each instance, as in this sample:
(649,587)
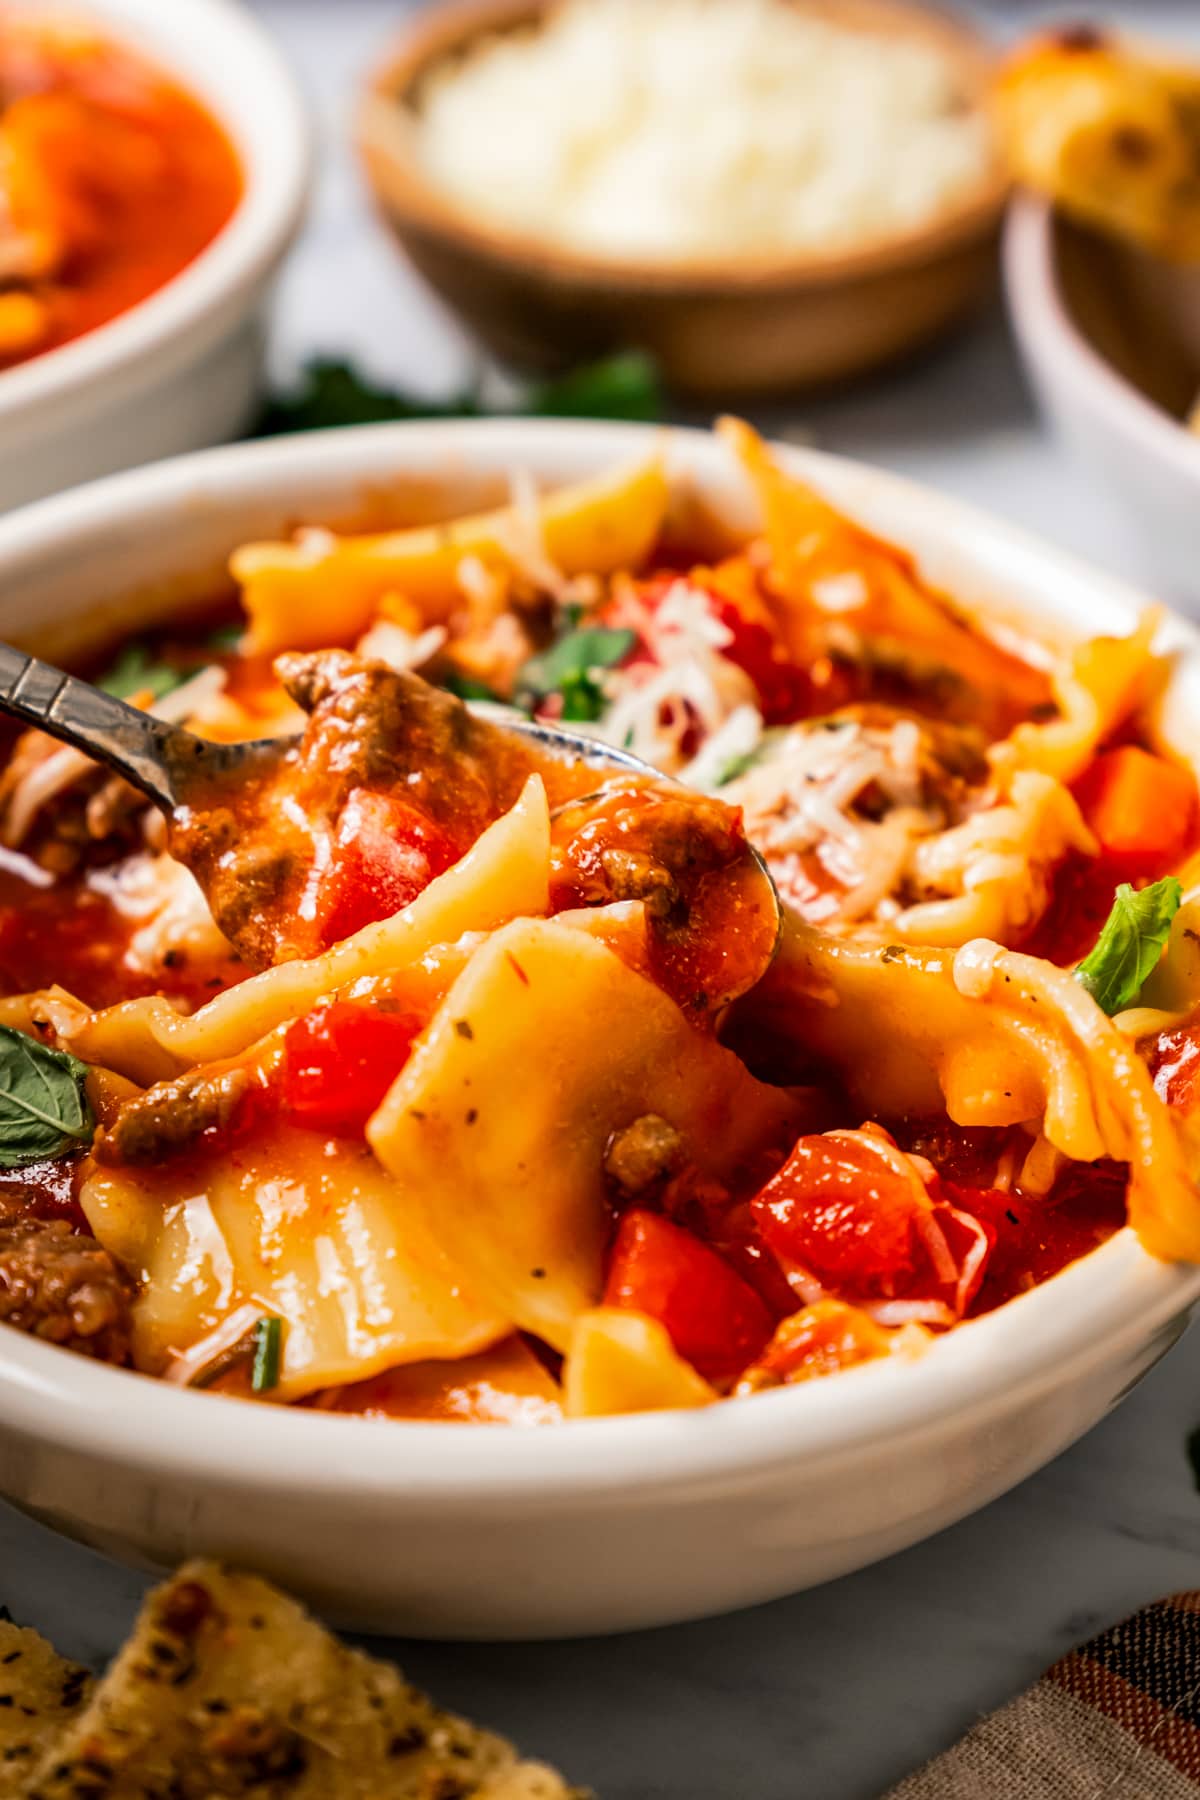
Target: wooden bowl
(751,327)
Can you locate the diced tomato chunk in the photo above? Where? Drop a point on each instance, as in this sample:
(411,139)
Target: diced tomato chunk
(784,689)
(819,1340)
(1175,1065)
(845,1212)
(841,1212)
(1034,1236)
(339,1062)
(385,853)
(1141,807)
(713,1317)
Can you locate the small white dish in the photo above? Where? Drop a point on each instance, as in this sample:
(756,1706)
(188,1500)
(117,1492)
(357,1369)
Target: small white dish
(595,1525)
(1111,341)
(181,369)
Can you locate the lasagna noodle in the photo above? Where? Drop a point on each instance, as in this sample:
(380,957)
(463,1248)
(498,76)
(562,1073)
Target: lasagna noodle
(1095,690)
(815,550)
(307,1229)
(484,1208)
(624,1362)
(326,589)
(991,1037)
(996,868)
(496,1129)
(503,876)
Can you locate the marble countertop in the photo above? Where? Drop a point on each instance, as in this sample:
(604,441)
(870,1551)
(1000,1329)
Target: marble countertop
(835,1693)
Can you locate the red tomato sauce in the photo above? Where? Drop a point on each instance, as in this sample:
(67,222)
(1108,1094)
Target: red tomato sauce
(68,936)
(717,1268)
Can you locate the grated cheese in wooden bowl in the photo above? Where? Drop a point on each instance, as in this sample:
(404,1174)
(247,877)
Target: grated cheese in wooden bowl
(697,128)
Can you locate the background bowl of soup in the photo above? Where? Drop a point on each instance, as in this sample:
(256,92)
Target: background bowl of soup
(1110,338)
(157,164)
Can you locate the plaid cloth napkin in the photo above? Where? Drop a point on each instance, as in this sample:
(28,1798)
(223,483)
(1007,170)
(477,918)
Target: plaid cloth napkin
(1117,1719)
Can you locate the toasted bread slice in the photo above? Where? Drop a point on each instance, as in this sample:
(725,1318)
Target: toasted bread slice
(40,1693)
(1110,133)
(229,1688)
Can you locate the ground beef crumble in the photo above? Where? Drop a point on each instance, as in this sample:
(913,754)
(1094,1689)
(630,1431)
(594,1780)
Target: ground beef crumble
(59,1286)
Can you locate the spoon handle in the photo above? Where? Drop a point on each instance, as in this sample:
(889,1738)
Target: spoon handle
(137,746)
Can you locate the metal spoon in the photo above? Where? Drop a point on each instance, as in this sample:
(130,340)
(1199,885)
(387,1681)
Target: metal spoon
(181,773)
(166,762)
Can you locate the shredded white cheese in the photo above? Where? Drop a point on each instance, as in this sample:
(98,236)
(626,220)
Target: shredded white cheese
(802,800)
(667,128)
(164,901)
(400,649)
(689,687)
(735,739)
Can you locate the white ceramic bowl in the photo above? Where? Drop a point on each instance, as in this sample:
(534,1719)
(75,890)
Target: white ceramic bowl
(596,1525)
(180,370)
(1099,333)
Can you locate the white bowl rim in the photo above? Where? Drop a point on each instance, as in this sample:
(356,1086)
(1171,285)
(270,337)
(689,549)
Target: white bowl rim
(1115,1298)
(247,245)
(1045,325)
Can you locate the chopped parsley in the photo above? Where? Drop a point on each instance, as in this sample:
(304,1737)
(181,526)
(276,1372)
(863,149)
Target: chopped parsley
(226,637)
(761,752)
(467,688)
(268,1343)
(332,393)
(134,670)
(571,668)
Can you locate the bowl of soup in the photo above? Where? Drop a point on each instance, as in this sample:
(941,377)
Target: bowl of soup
(155,168)
(427,1147)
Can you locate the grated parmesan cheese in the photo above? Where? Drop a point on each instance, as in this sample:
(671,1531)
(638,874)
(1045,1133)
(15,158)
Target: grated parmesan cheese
(801,800)
(400,649)
(654,707)
(165,903)
(701,128)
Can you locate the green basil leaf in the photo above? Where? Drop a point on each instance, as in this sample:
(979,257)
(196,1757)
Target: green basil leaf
(569,668)
(331,393)
(135,669)
(583,701)
(1129,946)
(43,1107)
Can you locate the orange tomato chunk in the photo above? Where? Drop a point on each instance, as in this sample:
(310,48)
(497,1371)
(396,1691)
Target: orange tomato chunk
(715,1320)
(1141,807)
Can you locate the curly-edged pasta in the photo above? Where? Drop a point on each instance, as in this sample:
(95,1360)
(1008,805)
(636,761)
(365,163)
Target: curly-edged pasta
(325,589)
